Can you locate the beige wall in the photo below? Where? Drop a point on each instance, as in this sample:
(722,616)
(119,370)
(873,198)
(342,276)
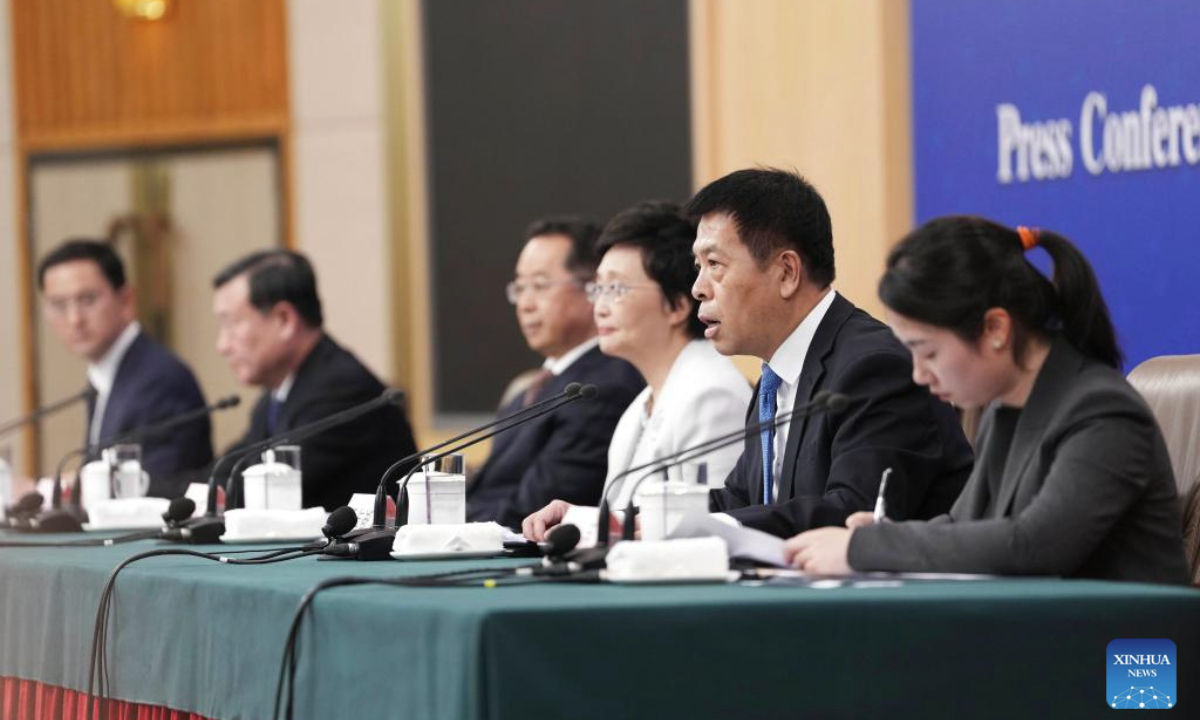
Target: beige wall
(222,204)
(75,200)
(339,149)
(821,87)
(12,346)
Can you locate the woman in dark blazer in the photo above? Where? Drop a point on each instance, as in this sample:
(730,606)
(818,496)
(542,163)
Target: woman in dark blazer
(1072,476)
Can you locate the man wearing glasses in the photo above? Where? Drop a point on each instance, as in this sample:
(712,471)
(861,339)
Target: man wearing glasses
(562,454)
(91,310)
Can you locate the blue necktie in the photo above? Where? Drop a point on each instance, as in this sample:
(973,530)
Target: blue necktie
(273,408)
(766,414)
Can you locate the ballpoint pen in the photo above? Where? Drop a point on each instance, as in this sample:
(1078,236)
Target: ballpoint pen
(880,503)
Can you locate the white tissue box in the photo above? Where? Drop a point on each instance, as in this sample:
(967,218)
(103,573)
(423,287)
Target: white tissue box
(244,525)
(485,538)
(691,560)
(127,513)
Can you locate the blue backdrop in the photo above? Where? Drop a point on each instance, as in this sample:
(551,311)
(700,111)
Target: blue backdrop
(1036,113)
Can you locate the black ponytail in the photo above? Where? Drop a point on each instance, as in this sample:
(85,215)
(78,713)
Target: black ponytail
(950,271)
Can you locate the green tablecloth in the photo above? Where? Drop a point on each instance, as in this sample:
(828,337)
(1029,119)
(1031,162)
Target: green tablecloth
(207,638)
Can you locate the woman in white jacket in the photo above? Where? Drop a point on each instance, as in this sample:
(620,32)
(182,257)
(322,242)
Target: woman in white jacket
(645,314)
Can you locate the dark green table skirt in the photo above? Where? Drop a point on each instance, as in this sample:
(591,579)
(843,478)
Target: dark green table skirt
(207,638)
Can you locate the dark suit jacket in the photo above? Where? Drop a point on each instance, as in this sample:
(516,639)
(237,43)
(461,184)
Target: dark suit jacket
(152,384)
(1087,491)
(346,459)
(833,462)
(561,455)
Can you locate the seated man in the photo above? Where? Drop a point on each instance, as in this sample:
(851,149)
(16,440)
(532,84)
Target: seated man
(270,331)
(138,382)
(764,246)
(563,454)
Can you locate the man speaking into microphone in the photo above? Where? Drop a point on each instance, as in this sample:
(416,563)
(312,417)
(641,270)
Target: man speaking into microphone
(764,258)
(270,330)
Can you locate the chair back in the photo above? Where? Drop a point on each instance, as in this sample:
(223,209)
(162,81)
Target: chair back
(1171,386)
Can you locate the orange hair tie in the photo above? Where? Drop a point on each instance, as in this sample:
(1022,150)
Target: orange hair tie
(1029,237)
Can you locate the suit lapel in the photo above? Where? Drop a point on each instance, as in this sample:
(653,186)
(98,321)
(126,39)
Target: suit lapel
(110,424)
(806,386)
(301,387)
(1062,362)
(975,495)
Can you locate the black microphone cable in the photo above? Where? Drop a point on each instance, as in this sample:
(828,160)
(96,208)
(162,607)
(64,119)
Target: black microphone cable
(179,510)
(340,522)
(561,540)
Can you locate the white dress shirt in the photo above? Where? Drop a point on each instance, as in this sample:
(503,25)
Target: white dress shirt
(787,362)
(560,364)
(103,373)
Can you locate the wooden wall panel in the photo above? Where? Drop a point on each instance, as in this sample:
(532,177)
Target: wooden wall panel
(87,76)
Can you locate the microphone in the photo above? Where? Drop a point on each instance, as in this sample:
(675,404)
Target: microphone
(390,396)
(177,529)
(562,558)
(146,432)
(88,394)
(179,510)
(568,393)
(585,392)
(138,434)
(340,521)
(823,401)
(378,531)
(372,545)
(21,512)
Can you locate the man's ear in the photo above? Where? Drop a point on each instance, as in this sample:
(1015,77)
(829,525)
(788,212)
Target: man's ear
(127,301)
(290,322)
(790,269)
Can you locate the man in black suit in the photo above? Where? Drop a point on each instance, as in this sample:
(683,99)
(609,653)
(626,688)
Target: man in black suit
(90,307)
(563,454)
(270,331)
(764,247)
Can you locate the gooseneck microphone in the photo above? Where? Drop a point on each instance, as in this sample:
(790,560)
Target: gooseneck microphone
(145,432)
(390,396)
(376,541)
(823,401)
(568,394)
(21,513)
(69,520)
(88,394)
(586,392)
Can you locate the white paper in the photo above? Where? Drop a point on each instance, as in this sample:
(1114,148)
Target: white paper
(363,505)
(198,493)
(743,542)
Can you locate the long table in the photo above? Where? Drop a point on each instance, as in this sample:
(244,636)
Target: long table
(205,638)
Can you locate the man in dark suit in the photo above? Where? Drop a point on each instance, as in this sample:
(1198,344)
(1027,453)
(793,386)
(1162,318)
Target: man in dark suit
(765,251)
(90,307)
(563,454)
(270,330)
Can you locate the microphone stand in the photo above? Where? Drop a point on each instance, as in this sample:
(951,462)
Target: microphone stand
(210,527)
(87,393)
(822,401)
(379,535)
(71,519)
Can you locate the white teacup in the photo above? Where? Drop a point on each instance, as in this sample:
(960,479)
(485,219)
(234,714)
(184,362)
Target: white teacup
(95,485)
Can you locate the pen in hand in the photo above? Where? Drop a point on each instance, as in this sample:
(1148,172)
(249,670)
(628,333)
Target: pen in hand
(880,503)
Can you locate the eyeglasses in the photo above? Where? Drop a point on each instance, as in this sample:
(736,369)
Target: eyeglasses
(539,287)
(611,291)
(83,302)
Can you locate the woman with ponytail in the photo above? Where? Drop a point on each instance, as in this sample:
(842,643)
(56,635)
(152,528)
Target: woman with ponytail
(1072,476)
